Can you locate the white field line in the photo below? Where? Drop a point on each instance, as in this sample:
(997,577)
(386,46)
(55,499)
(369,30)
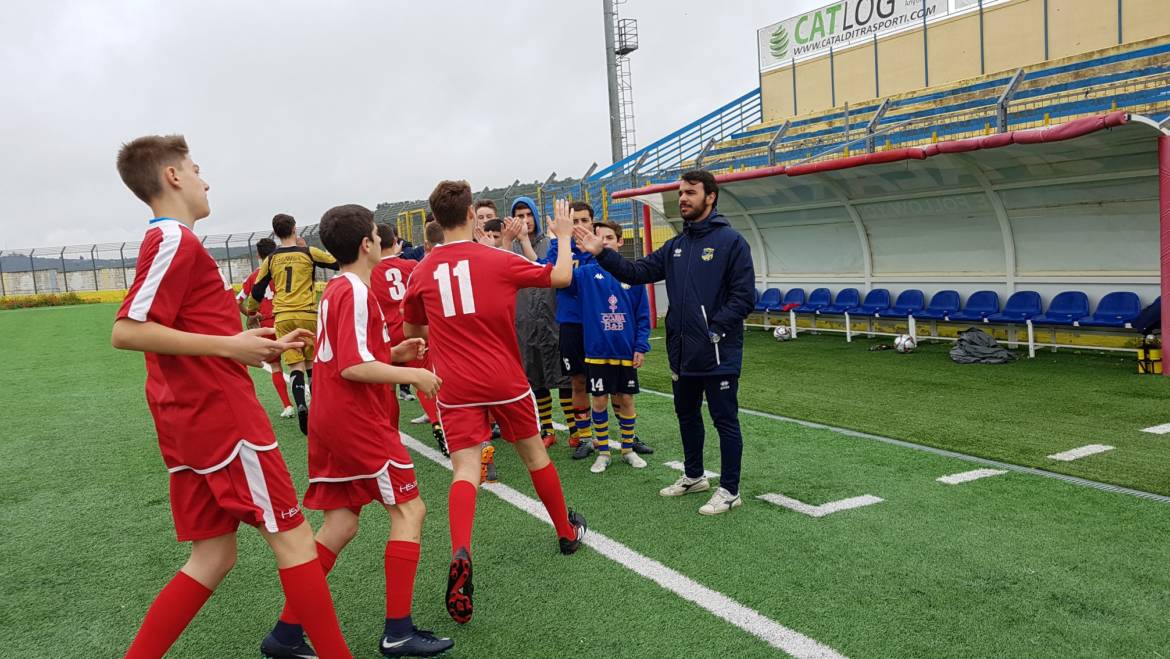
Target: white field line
(1158,430)
(1078,453)
(823,509)
(718,604)
(968,476)
(678,466)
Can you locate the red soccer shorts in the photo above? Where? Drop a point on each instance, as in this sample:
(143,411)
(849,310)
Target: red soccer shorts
(468,426)
(393,485)
(254,488)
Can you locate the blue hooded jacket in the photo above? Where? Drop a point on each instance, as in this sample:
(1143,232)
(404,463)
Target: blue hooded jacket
(711,283)
(568,307)
(615,317)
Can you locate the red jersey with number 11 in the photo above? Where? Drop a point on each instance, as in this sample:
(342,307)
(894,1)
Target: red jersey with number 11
(388,282)
(466,293)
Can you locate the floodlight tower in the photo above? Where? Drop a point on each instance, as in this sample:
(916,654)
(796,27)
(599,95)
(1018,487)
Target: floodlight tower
(621,39)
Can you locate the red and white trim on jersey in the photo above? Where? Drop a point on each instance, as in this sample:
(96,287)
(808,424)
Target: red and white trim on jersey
(172,231)
(376,474)
(241,446)
(361,316)
(258,486)
(494,402)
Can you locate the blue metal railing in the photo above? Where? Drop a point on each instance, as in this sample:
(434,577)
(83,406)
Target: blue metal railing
(686,142)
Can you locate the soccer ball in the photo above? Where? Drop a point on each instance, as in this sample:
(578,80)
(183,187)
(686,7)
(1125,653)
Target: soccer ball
(782,333)
(905,343)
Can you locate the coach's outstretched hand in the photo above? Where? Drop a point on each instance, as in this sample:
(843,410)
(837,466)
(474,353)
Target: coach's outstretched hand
(587,241)
(562,224)
(251,347)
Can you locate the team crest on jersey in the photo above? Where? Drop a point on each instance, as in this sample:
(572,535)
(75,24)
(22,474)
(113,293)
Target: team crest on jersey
(613,321)
(708,253)
(678,251)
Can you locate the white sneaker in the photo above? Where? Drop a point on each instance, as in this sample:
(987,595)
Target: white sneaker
(601,463)
(405,395)
(685,485)
(289,412)
(420,420)
(721,502)
(634,460)
(560,426)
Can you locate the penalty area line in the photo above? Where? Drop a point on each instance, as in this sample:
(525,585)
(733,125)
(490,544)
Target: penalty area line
(716,603)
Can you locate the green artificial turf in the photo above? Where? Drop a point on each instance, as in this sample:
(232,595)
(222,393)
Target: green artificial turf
(1019,413)
(1013,565)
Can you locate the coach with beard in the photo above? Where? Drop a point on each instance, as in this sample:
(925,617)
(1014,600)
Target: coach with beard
(710,281)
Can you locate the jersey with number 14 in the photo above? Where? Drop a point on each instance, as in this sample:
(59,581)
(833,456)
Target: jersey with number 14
(466,293)
(388,281)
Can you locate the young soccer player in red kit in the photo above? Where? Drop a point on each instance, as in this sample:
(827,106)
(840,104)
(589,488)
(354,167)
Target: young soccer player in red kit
(388,283)
(214,436)
(462,298)
(355,453)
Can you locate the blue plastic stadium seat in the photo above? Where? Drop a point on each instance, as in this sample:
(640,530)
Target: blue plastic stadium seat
(792,299)
(817,300)
(1066,309)
(1115,310)
(769,301)
(909,303)
(942,305)
(980,305)
(876,302)
(846,300)
(1021,306)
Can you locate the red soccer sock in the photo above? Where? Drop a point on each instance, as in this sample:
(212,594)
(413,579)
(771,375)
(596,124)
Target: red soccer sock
(281,386)
(168,616)
(428,405)
(327,559)
(461,514)
(307,593)
(401,567)
(548,488)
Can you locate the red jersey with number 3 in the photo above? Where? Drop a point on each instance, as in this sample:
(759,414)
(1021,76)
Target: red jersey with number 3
(204,408)
(353,427)
(388,281)
(466,293)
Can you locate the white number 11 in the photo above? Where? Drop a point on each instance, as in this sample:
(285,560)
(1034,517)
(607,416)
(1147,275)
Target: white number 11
(462,272)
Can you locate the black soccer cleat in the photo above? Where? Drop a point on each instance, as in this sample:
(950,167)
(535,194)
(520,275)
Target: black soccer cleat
(578,521)
(441,442)
(496,431)
(420,643)
(303,418)
(640,448)
(459,587)
(271,648)
(583,449)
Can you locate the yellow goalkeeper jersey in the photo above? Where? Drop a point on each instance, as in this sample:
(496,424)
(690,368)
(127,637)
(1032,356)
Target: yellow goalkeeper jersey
(290,270)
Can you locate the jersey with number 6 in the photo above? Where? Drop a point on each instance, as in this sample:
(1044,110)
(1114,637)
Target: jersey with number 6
(466,293)
(388,281)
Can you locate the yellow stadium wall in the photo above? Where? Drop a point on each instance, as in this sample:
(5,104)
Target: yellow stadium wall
(1013,37)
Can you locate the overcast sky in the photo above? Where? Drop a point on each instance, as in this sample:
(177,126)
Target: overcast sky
(297,106)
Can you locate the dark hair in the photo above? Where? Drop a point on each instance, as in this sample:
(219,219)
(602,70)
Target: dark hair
(613,226)
(387,235)
(524,204)
(433,233)
(283,225)
(139,162)
(583,206)
(493,225)
(486,203)
(430,217)
(706,178)
(342,230)
(264,247)
(450,202)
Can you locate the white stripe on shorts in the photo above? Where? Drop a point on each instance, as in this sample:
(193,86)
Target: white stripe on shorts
(386,488)
(254,474)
